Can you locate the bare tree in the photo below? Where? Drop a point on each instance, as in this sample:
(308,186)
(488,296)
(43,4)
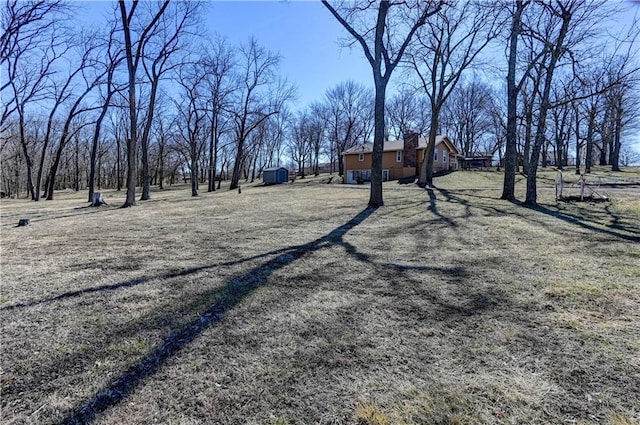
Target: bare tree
(193,118)
(260,95)
(468,117)
(219,66)
(113,58)
(32,46)
(87,85)
(513,88)
(348,111)
(317,134)
(133,53)
(165,39)
(384,35)
(28,32)
(407,110)
(445,48)
(563,30)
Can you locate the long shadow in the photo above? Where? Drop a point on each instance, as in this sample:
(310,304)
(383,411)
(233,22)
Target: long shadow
(86,210)
(617,221)
(568,218)
(139,281)
(579,221)
(434,209)
(234,291)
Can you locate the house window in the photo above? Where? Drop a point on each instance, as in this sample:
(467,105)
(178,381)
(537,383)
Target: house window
(435,155)
(444,157)
(360,157)
(398,156)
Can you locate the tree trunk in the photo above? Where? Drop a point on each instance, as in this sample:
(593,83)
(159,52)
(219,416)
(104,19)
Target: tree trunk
(118,165)
(194,179)
(590,129)
(426,168)
(51,178)
(94,148)
(76,180)
(144,141)
(213,142)
(510,154)
(161,165)
(132,140)
(25,151)
(237,166)
(375,197)
(615,151)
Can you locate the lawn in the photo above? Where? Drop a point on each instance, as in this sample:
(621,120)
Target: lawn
(294,304)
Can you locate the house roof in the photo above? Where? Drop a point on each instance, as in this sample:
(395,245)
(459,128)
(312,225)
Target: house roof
(274,169)
(398,145)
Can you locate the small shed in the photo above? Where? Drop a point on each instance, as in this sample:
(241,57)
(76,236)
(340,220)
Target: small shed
(275,175)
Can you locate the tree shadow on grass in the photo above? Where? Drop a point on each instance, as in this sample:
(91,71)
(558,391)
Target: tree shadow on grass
(139,281)
(588,222)
(233,292)
(434,209)
(43,215)
(592,225)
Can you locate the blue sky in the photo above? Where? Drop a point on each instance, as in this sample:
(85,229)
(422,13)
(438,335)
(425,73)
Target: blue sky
(303,32)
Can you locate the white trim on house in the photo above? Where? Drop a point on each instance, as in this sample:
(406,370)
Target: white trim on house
(353,175)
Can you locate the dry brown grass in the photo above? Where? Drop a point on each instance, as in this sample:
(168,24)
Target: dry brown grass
(293,304)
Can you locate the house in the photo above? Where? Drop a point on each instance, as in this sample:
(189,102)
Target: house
(400,158)
(275,175)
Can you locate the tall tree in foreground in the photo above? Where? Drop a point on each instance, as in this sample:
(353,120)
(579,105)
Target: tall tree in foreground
(167,37)
(511,140)
(564,29)
(133,53)
(448,45)
(384,35)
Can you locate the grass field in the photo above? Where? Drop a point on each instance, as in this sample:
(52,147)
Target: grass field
(294,304)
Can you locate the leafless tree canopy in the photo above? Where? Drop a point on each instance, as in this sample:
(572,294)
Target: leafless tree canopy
(153,99)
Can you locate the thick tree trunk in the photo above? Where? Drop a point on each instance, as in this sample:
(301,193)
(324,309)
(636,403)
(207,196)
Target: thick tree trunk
(144,141)
(375,196)
(510,155)
(237,166)
(194,179)
(426,167)
(51,178)
(132,140)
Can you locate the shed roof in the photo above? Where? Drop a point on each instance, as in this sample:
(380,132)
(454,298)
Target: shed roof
(274,169)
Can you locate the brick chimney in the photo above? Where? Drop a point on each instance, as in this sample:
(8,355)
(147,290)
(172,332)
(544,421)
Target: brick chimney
(409,156)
